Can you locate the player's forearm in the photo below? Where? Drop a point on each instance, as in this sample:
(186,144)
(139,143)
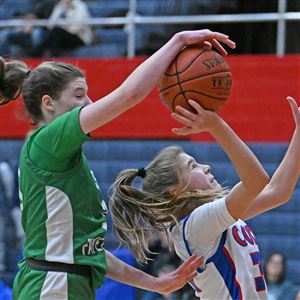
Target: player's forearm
(249,169)
(134,89)
(141,82)
(122,272)
(285,178)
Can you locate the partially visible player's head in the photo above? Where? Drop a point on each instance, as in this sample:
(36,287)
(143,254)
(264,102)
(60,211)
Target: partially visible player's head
(173,185)
(48,79)
(195,176)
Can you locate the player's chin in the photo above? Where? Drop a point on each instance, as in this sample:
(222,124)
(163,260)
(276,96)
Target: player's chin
(215,184)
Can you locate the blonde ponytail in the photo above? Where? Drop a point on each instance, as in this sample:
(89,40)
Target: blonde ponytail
(134,214)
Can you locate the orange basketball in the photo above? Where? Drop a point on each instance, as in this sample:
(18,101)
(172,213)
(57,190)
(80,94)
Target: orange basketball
(199,74)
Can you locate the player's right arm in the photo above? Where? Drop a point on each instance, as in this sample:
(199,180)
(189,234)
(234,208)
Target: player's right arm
(252,174)
(141,82)
(122,272)
(284,180)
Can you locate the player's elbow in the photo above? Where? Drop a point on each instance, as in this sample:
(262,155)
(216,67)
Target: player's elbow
(263,180)
(260,183)
(278,195)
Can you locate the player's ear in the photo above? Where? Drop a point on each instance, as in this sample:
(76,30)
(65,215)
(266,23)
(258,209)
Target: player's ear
(173,191)
(47,103)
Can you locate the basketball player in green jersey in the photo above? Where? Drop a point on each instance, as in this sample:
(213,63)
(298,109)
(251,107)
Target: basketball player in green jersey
(63,213)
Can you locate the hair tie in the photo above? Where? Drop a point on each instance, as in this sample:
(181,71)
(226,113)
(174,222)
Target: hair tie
(27,73)
(141,172)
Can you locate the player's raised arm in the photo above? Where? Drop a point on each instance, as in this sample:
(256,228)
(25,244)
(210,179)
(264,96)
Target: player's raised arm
(140,83)
(253,176)
(284,180)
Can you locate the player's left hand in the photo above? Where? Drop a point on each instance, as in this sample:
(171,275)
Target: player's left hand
(177,279)
(201,121)
(207,39)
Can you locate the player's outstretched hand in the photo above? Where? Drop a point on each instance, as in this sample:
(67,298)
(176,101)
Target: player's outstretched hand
(201,121)
(295,110)
(207,38)
(177,279)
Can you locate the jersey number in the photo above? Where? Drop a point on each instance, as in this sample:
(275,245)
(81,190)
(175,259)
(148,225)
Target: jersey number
(259,280)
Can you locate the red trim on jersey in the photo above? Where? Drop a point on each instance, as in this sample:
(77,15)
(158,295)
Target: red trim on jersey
(231,262)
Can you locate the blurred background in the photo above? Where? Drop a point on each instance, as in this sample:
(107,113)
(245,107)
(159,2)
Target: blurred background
(108,39)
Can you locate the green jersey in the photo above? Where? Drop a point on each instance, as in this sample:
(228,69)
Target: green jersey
(63,212)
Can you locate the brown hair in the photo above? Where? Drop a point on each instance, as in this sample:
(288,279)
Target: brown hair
(49,78)
(137,212)
(12,75)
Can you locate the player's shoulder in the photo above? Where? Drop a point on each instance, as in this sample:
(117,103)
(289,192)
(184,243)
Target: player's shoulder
(218,203)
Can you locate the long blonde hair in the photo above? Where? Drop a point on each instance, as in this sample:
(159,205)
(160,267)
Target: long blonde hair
(137,213)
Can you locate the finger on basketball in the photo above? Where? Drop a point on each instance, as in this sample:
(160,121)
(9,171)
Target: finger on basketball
(224,39)
(185,112)
(196,105)
(207,45)
(220,36)
(182,119)
(219,47)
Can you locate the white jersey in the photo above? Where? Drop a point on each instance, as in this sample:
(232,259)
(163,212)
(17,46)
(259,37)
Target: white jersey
(232,263)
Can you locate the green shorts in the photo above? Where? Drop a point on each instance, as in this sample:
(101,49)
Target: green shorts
(31,284)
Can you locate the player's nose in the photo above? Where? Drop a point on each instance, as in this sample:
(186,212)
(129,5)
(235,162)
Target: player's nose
(206,169)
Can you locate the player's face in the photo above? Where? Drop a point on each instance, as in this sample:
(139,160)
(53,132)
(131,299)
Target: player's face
(75,94)
(197,176)
(274,267)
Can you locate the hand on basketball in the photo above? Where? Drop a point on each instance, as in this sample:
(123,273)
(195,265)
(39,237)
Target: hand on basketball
(206,38)
(295,110)
(202,120)
(177,279)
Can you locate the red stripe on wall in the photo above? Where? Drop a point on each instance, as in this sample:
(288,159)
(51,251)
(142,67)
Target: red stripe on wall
(257,109)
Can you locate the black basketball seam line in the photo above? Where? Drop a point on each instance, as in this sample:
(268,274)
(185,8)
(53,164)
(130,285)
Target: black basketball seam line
(184,81)
(180,87)
(196,57)
(196,92)
(177,77)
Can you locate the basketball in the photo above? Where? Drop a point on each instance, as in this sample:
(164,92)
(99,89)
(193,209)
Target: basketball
(199,74)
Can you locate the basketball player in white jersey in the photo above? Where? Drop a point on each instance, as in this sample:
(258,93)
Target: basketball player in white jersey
(203,218)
